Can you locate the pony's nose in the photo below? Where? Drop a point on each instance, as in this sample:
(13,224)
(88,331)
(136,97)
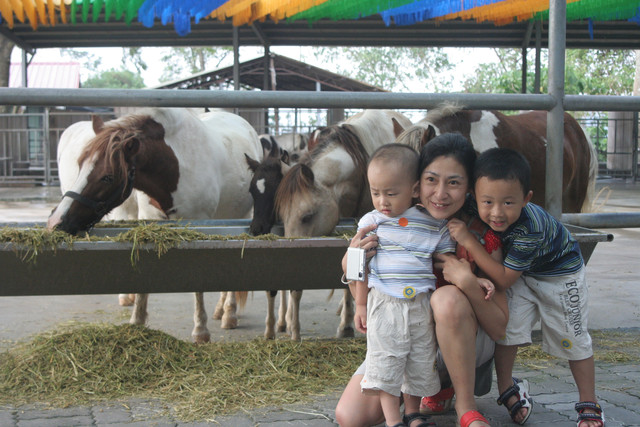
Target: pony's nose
(53,221)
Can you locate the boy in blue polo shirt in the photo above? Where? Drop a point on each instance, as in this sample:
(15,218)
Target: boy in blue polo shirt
(543,273)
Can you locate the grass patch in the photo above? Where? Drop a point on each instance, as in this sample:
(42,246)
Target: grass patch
(104,362)
(608,347)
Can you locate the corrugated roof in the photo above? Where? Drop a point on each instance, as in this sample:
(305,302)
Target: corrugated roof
(289,73)
(51,75)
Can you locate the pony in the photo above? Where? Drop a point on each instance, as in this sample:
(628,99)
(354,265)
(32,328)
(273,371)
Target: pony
(188,165)
(329,183)
(525,132)
(295,144)
(72,142)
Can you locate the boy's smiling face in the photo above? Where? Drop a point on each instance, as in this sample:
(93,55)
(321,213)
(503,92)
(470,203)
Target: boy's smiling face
(500,201)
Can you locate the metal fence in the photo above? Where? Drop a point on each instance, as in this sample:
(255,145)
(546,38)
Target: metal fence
(29,141)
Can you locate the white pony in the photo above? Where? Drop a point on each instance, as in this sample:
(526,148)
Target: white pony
(187,165)
(330,183)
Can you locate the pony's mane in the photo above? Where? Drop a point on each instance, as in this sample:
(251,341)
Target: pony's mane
(109,142)
(412,136)
(444,110)
(294,181)
(345,138)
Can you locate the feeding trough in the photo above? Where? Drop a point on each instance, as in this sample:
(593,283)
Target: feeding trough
(242,263)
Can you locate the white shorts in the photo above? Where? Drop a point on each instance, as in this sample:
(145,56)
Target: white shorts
(485,347)
(560,303)
(401,345)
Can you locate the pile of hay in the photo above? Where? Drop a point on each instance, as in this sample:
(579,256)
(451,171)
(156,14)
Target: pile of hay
(103,362)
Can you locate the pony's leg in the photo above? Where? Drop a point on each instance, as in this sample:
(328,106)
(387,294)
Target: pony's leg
(219,310)
(345,330)
(200,333)
(283,320)
(126,300)
(294,309)
(229,318)
(270,321)
(139,313)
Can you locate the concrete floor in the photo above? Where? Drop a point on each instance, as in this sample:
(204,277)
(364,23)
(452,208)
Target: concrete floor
(613,274)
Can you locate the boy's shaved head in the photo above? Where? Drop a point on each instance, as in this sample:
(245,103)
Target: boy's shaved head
(504,164)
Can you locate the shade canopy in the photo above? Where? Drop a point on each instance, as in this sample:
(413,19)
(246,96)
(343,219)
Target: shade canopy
(462,23)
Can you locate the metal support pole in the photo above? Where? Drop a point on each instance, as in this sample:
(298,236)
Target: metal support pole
(555,117)
(46,147)
(236,59)
(634,147)
(536,81)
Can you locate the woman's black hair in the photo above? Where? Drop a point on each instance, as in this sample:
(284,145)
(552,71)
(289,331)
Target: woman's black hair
(449,145)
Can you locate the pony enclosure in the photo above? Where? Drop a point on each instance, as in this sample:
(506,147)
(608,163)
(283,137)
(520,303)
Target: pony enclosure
(29,140)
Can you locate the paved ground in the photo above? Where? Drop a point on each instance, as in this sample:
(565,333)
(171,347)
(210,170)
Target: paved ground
(615,300)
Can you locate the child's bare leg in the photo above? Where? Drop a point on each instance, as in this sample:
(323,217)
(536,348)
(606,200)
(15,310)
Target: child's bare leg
(583,372)
(505,357)
(412,406)
(390,408)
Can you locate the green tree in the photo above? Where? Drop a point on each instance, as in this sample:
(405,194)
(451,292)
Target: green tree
(185,61)
(400,69)
(587,72)
(115,79)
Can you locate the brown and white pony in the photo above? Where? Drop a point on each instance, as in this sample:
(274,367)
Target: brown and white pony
(525,132)
(330,183)
(190,166)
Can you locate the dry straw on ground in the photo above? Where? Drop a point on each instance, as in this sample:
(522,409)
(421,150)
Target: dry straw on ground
(98,362)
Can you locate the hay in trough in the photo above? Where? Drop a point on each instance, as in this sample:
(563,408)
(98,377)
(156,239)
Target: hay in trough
(30,242)
(99,362)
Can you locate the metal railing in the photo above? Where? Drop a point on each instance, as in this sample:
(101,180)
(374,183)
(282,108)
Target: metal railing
(29,141)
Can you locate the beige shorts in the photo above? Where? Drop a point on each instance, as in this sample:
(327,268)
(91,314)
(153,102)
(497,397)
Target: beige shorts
(560,303)
(401,345)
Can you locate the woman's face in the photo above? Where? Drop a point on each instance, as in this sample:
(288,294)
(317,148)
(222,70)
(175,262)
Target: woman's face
(443,187)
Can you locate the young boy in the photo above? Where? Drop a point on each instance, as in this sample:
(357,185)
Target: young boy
(543,271)
(395,314)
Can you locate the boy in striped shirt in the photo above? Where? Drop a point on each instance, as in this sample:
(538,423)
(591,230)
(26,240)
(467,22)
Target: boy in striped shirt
(543,273)
(392,305)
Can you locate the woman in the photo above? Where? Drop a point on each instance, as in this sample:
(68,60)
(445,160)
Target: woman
(463,317)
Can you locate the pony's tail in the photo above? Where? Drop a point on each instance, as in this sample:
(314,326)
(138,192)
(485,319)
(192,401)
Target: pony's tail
(241,298)
(589,199)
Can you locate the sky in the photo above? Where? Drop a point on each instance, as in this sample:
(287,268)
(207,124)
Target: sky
(466,59)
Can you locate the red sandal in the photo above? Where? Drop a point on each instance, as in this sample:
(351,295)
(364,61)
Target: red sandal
(470,417)
(438,403)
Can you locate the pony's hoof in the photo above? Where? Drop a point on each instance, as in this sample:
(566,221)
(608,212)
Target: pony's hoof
(282,328)
(217,315)
(229,322)
(269,335)
(347,332)
(201,337)
(126,300)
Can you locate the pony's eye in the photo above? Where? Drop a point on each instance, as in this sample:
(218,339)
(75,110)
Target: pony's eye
(107,179)
(307,218)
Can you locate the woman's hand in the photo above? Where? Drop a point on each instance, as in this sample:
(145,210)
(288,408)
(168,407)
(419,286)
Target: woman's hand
(361,240)
(368,243)
(455,271)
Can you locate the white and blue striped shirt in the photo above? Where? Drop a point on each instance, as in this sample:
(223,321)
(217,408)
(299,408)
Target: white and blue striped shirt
(402,266)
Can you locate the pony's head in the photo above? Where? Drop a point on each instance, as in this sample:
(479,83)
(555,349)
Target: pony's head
(107,170)
(266,178)
(305,207)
